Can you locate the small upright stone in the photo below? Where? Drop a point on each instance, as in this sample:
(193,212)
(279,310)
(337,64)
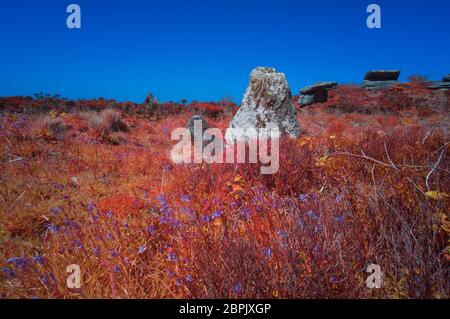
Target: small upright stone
(266,104)
(200,120)
(202,126)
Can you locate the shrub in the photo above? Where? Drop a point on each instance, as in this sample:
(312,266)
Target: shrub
(108,121)
(57,127)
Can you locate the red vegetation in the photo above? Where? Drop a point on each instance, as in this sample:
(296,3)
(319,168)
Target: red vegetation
(355,189)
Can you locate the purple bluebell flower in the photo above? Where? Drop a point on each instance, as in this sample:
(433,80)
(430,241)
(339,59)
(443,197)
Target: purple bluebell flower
(205,218)
(283,234)
(151,230)
(186,198)
(58,186)
(237,287)
(267,251)
(44,280)
(56,210)
(165,209)
(178,282)
(90,207)
(316,250)
(18,261)
(78,244)
(71,223)
(338,198)
(8,272)
(114,253)
(96,251)
(311,214)
(116,269)
(53,228)
(189,278)
(216,214)
(246,212)
(38,260)
(172,257)
(303,197)
(340,219)
(127,261)
(110,214)
(108,236)
(52,277)
(142,249)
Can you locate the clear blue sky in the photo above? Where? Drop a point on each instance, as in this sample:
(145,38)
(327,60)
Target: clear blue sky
(206,49)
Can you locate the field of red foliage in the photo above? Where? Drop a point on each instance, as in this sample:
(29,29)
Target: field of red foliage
(91,183)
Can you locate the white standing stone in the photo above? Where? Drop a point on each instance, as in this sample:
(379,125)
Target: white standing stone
(267,104)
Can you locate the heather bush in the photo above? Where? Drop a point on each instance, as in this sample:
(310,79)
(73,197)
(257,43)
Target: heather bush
(108,121)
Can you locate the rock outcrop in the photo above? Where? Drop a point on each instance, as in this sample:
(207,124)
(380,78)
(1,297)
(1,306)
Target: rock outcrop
(439,85)
(266,104)
(305,100)
(382,75)
(446,78)
(316,93)
(381,79)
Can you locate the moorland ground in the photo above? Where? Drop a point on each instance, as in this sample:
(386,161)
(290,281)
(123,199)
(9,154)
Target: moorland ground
(366,183)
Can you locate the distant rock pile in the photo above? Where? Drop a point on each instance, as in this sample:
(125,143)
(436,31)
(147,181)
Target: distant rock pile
(380,79)
(316,93)
(441,85)
(266,104)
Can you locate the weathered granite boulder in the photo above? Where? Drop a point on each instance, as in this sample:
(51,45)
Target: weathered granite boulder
(376,85)
(316,93)
(446,78)
(380,79)
(382,75)
(439,85)
(305,100)
(318,87)
(266,104)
